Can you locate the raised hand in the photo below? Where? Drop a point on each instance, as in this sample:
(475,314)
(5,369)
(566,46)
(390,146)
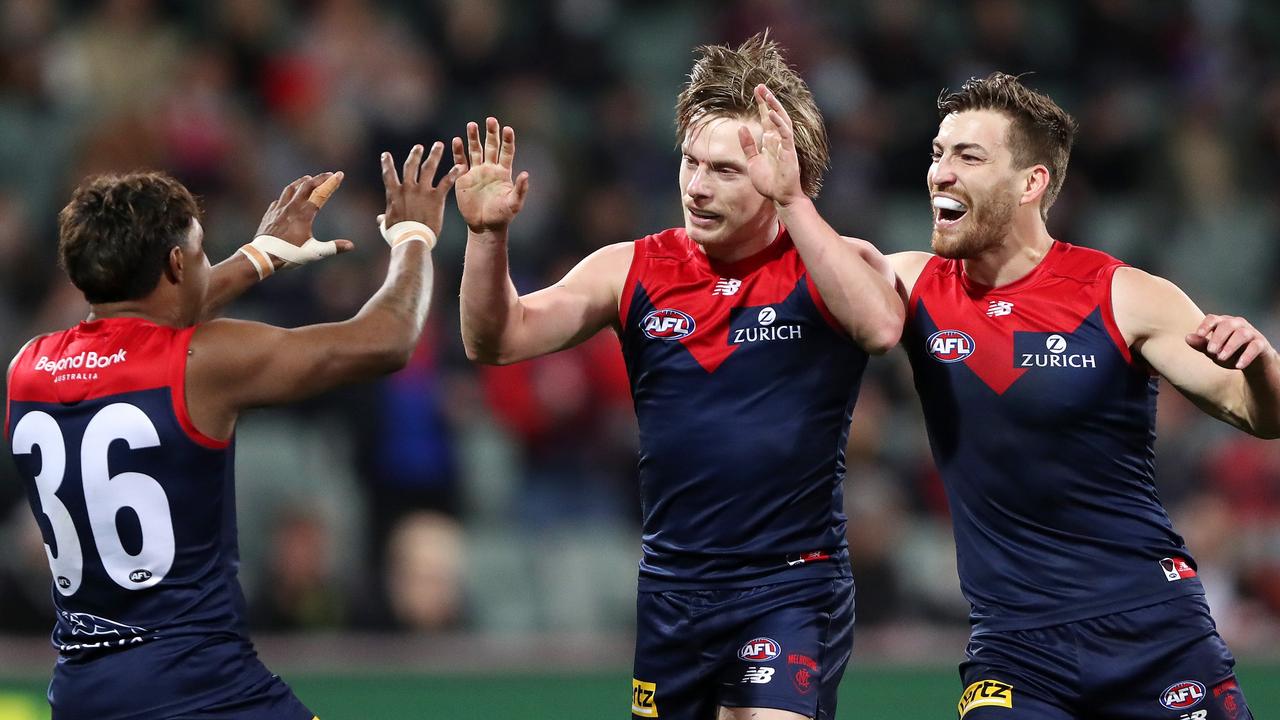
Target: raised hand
(773,166)
(290,216)
(414,197)
(487,197)
(1229,341)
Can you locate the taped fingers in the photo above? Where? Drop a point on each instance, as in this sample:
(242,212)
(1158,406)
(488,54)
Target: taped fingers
(321,194)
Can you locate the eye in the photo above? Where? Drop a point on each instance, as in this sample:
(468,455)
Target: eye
(970,158)
(935,155)
(690,161)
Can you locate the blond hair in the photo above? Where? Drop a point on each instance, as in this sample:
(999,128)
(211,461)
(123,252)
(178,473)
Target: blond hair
(723,82)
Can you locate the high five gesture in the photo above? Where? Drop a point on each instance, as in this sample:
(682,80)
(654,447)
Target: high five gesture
(487,197)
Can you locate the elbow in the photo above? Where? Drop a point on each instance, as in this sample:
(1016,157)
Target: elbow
(480,353)
(882,338)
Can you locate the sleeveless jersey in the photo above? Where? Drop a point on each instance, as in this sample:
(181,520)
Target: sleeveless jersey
(743,389)
(137,510)
(1042,426)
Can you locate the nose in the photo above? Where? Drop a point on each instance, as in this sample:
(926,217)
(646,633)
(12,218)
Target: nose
(941,174)
(697,185)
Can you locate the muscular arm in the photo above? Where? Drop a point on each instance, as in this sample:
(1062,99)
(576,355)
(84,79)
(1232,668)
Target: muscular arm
(855,280)
(500,327)
(235,365)
(1221,364)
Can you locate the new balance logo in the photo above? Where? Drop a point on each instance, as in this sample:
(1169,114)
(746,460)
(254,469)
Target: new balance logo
(999,307)
(727,286)
(758,675)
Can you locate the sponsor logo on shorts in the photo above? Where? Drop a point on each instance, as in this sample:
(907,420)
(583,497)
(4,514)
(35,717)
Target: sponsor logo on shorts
(804,672)
(761,649)
(1176,568)
(667,324)
(644,698)
(985,693)
(1182,695)
(758,675)
(1232,703)
(949,346)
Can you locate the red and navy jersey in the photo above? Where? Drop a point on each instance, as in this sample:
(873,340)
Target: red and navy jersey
(744,388)
(137,511)
(1042,426)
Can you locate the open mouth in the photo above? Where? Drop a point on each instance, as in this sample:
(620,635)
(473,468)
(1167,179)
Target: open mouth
(948,211)
(702,217)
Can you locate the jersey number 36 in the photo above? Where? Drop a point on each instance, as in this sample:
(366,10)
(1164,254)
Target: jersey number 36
(104,496)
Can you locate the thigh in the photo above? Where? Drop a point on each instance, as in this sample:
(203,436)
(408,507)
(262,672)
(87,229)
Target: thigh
(273,700)
(791,649)
(674,670)
(1166,660)
(1019,675)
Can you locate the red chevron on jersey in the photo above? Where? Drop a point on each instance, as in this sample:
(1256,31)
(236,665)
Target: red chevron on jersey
(695,298)
(976,324)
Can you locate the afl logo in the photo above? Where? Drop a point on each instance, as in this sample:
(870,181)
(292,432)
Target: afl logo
(760,650)
(667,324)
(949,346)
(1182,695)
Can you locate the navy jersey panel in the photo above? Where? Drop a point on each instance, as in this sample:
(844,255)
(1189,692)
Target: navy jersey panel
(137,510)
(744,390)
(783,646)
(1042,427)
(1161,661)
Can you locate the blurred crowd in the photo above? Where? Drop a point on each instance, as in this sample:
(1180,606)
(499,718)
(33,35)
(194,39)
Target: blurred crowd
(503,500)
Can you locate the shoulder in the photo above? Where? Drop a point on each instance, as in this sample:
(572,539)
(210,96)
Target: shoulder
(13,363)
(1145,304)
(1083,263)
(669,243)
(908,266)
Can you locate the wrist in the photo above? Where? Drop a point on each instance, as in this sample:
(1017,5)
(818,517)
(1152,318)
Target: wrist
(487,235)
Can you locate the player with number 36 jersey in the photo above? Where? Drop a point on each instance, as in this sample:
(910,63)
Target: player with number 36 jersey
(122,430)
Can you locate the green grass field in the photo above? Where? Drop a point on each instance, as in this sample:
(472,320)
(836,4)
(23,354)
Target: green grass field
(870,693)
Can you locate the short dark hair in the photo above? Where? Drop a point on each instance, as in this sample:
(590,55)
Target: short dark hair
(723,82)
(115,235)
(1040,132)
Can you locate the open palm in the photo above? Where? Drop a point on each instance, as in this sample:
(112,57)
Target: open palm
(487,196)
(773,165)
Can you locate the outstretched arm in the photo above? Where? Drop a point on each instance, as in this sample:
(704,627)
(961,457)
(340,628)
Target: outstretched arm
(498,325)
(855,281)
(234,365)
(1220,362)
(289,218)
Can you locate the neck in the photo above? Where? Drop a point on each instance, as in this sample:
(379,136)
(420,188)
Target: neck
(1023,247)
(734,251)
(133,309)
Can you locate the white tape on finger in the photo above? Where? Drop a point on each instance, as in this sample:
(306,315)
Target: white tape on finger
(265,247)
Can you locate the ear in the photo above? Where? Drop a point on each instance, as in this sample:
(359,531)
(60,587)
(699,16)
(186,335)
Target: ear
(1036,185)
(173,268)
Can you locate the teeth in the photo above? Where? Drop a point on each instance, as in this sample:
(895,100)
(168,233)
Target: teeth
(946,203)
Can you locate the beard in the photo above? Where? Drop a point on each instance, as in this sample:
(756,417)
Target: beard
(980,231)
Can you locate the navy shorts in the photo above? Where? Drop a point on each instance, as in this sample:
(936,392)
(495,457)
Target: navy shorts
(1165,661)
(781,646)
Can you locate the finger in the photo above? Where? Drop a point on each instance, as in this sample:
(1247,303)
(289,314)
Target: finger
(459,152)
(491,140)
(473,144)
(1232,344)
(780,122)
(389,177)
(321,194)
(290,189)
(451,177)
(1218,335)
(783,119)
(306,188)
(411,165)
(508,152)
(427,173)
(1197,342)
(748,142)
(1207,325)
(521,189)
(344,246)
(1250,354)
